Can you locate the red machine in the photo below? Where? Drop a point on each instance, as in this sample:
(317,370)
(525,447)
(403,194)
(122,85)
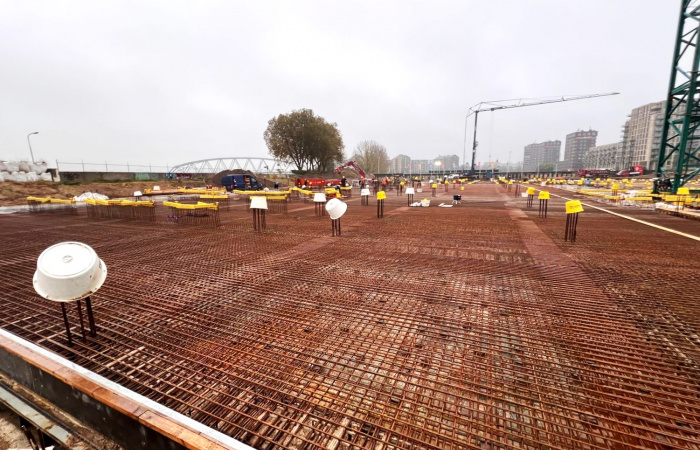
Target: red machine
(353,165)
(314,182)
(631,172)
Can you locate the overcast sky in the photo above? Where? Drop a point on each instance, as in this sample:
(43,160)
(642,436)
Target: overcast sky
(173,81)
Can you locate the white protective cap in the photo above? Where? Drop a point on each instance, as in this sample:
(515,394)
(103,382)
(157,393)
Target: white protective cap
(320,197)
(336,208)
(410,191)
(258,203)
(68,271)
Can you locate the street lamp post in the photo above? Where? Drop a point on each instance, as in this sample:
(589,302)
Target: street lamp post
(30,145)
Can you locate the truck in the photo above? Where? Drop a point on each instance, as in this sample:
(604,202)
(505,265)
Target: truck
(241,182)
(631,171)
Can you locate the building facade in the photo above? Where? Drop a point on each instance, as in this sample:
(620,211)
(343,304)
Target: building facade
(420,166)
(399,164)
(609,156)
(447,163)
(577,144)
(542,156)
(642,136)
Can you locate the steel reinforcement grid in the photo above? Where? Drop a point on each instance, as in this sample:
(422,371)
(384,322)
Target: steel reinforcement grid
(474,326)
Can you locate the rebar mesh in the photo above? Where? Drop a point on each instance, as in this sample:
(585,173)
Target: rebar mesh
(471,326)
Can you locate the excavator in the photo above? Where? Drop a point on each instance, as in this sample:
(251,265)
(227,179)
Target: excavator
(353,165)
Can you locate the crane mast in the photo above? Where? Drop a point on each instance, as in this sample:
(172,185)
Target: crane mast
(514,103)
(679,152)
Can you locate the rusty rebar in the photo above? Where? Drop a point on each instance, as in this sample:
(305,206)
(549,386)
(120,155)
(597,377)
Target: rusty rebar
(437,328)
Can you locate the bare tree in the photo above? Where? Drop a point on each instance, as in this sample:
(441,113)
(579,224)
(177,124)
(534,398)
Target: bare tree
(372,157)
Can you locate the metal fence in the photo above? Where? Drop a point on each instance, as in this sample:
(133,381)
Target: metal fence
(83,166)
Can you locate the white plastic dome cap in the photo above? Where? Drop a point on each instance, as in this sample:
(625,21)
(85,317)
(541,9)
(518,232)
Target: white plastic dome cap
(364,191)
(68,271)
(410,191)
(320,197)
(258,203)
(138,193)
(336,208)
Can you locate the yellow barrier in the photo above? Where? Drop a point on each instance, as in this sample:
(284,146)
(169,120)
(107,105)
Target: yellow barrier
(38,199)
(199,205)
(196,213)
(213,196)
(265,193)
(201,191)
(120,209)
(52,205)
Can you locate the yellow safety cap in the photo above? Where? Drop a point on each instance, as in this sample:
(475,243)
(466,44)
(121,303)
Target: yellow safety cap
(574,206)
(544,195)
(530,191)
(381,195)
(434,185)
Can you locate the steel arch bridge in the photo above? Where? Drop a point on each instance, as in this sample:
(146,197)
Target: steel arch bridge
(216,165)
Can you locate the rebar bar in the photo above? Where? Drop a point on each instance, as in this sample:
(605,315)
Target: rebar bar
(570,229)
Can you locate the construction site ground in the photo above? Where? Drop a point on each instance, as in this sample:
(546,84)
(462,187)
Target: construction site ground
(475,326)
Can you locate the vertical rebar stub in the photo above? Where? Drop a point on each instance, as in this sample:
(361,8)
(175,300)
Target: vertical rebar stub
(70,271)
(573,207)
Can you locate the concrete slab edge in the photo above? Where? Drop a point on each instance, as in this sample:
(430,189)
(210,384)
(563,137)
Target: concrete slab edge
(148,404)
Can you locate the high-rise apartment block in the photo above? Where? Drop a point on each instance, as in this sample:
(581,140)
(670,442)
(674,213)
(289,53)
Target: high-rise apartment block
(448,163)
(577,143)
(420,166)
(400,164)
(541,156)
(642,136)
(607,156)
